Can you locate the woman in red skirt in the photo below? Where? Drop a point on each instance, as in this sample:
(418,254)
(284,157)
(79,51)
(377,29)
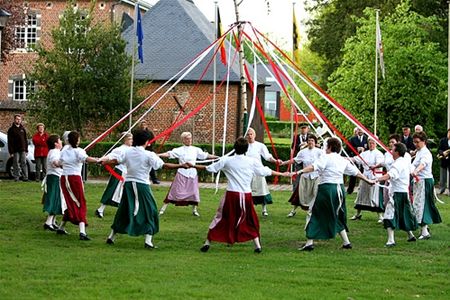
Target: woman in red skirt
(72,159)
(236,220)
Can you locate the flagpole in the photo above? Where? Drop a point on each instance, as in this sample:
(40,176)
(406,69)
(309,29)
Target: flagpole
(448,70)
(292,106)
(216,23)
(130,122)
(376,76)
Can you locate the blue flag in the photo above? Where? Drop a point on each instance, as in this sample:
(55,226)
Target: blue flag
(139,34)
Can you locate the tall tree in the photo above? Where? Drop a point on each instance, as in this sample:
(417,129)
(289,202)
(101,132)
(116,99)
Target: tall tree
(333,22)
(416,72)
(83,76)
(17,18)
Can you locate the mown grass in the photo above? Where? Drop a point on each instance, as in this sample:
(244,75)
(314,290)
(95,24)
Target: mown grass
(37,264)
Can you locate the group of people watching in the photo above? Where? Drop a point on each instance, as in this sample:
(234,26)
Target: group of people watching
(318,187)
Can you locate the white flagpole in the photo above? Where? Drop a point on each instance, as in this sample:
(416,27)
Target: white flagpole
(133,50)
(213,144)
(448,71)
(376,76)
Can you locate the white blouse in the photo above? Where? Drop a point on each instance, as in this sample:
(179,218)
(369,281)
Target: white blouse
(257,149)
(188,154)
(370,158)
(423,156)
(139,162)
(308,157)
(332,167)
(53,157)
(399,175)
(116,153)
(72,160)
(239,170)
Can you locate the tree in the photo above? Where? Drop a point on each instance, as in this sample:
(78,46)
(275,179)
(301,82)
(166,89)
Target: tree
(17,18)
(83,76)
(333,23)
(416,72)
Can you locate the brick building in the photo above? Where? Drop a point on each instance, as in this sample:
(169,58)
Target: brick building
(175,31)
(42,17)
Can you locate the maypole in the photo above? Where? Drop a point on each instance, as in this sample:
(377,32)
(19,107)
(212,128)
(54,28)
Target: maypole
(241,65)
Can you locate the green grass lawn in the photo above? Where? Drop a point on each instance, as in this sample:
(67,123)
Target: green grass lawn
(38,264)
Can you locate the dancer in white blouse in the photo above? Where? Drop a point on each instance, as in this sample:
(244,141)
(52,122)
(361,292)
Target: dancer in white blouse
(184,188)
(423,186)
(306,190)
(260,190)
(236,220)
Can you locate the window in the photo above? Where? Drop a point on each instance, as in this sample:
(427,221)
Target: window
(21,89)
(270,103)
(27,36)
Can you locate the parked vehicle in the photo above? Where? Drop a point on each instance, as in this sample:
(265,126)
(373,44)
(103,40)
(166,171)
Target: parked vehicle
(6,161)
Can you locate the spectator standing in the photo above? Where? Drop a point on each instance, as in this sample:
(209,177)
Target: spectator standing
(40,151)
(18,148)
(444,157)
(408,140)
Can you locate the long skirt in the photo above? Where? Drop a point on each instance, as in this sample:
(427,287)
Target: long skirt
(260,191)
(183,191)
(306,192)
(328,213)
(52,195)
(113,191)
(73,192)
(369,198)
(424,202)
(137,213)
(399,213)
(235,220)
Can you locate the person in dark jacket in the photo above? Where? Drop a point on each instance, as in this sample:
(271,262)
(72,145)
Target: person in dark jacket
(359,143)
(444,157)
(40,151)
(18,148)
(408,140)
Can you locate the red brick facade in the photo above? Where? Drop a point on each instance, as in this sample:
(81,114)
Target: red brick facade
(162,116)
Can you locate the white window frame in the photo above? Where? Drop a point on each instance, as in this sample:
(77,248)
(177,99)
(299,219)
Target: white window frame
(26,88)
(29,35)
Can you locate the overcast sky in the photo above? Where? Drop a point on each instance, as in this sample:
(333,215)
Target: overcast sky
(277,22)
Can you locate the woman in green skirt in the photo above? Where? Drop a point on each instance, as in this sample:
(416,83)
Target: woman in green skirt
(328,211)
(52,190)
(137,213)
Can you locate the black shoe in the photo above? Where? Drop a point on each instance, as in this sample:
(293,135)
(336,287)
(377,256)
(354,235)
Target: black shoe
(387,245)
(412,239)
(84,237)
(110,241)
(156,181)
(61,231)
(258,250)
(205,248)
(306,248)
(25,180)
(347,246)
(356,217)
(98,214)
(49,227)
(148,246)
(441,192)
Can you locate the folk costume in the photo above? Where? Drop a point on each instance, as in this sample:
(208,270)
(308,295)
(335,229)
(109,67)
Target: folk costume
(260,190)
(137,213)
(72,160)
(52,199)
(236,220)
(184,189)
(306,190)
(114,189)
(399,212)
(369,198)
(423,191)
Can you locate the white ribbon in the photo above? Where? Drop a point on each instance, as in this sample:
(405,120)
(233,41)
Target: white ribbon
(69,190)
(136,198)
